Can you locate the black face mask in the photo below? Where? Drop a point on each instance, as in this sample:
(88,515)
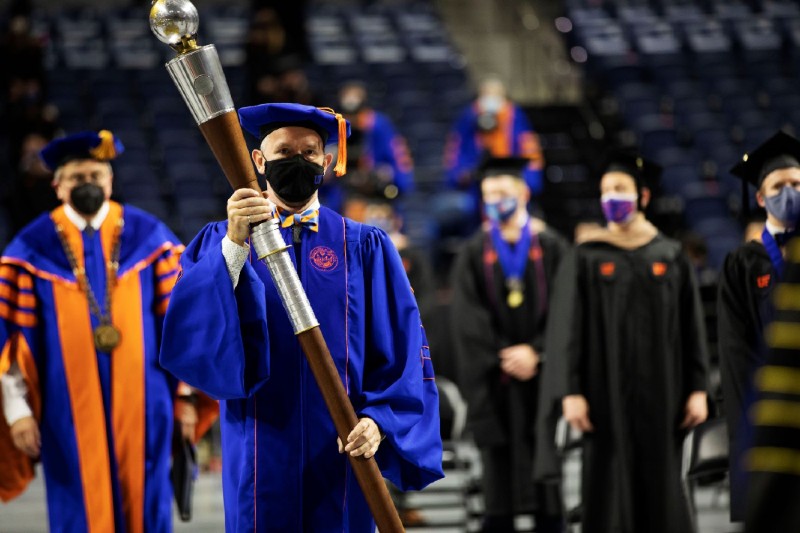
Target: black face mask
(294,178)
(87,198)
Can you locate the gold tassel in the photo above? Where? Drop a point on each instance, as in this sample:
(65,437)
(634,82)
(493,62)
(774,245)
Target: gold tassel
(105,151)
(341,156)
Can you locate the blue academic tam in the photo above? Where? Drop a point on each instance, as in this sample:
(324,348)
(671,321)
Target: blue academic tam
(261,120)
(100,145)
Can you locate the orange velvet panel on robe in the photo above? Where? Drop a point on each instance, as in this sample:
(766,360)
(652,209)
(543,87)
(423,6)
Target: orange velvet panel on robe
(83,384)
(128,401)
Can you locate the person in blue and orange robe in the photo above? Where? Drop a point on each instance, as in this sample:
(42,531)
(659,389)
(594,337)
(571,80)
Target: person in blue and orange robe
(83,292)
(379,162)
(492,126)
(227,333)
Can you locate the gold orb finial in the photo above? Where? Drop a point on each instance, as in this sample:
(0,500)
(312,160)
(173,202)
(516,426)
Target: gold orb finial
(175,23)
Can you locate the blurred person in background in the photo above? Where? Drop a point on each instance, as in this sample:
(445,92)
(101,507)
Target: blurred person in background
(627,348)
(275,61)
(753,230)
(292,16)
(379,163)
(501,283)
(746,285)
(83,292)
(380,214)
(265,47)
(22,81)
(696,249)
(772,480)
(492,126)
(31,193)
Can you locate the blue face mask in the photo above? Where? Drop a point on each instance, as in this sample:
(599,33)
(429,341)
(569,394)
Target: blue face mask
(785,206)
(501,211)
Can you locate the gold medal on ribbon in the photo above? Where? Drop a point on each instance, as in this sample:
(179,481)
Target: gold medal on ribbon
(515,292)
(515,299)
(106,337)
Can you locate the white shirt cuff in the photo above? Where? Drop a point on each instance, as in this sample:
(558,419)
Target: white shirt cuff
(15,405)
(235,258)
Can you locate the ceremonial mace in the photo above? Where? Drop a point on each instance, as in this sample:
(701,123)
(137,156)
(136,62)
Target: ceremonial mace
(198,74)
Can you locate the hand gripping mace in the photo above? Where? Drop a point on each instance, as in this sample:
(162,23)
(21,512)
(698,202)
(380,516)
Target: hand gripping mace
(198,75)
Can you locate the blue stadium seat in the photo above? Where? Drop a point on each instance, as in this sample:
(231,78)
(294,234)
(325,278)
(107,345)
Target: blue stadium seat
(132,171)
(681,14)
(655,132)
(675,178)
(721,227)
(702,202)
(719,248)
(677,156)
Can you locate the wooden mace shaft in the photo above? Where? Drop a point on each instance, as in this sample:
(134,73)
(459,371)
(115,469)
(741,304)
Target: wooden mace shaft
(225,138)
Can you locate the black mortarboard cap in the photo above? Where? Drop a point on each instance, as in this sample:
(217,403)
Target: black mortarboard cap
(503,166)
(779,151)
(630,162)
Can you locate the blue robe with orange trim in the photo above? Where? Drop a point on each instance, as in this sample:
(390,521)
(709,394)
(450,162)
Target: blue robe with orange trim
(514,137)
(106,418)
(281,466)
(382,147)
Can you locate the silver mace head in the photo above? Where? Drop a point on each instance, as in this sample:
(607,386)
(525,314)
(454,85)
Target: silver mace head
(175,23)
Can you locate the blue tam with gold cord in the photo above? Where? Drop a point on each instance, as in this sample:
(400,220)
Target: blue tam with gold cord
(99,145)
(261,120)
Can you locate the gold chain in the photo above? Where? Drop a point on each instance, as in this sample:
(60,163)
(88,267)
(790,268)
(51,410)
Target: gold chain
(112,267)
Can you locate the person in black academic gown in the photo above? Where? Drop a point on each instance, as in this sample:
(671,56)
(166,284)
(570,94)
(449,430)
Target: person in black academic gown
(771,460)
(627,352)
(501,285)
(745,287)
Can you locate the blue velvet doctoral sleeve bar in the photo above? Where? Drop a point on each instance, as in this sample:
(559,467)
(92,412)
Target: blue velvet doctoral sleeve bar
(399,391)
(215,338)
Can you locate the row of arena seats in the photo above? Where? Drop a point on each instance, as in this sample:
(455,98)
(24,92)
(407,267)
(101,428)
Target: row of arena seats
(697,85)
(105,70)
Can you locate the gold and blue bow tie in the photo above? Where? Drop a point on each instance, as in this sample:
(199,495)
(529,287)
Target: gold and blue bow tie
(308,218)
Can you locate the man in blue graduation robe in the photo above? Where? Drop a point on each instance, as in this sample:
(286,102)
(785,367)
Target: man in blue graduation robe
(227,334)
(99,414)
